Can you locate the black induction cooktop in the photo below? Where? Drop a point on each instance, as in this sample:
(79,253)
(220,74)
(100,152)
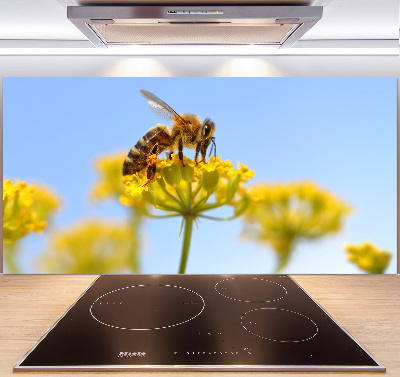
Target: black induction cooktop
(197,322)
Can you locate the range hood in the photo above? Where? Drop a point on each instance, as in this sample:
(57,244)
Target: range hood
(116,26)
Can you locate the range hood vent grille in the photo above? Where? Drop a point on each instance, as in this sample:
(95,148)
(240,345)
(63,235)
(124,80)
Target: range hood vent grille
(199,33)
(113,26)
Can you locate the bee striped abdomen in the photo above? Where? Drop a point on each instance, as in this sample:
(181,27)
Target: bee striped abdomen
(158,135)
(135,161)
(155,141)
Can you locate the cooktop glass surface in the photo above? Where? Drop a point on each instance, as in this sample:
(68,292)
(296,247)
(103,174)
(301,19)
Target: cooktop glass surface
(197,322)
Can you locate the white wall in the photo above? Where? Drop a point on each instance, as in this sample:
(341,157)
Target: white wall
(201,66)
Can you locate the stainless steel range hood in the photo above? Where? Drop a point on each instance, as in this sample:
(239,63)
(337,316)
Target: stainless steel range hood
(116,26)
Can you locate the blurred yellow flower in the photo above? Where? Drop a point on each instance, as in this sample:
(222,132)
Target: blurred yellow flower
(9,188)
(109,184)
(280,215)
(92,247)
(368,257)
(26,209)
(190,189)
(109,171)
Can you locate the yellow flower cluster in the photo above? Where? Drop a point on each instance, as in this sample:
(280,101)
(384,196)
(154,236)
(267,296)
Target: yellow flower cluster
(282,214)
(187,187)
(368,257)
(92,247)
(26,209)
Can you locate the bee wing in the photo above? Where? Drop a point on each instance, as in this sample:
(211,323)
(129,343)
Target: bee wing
(161,108)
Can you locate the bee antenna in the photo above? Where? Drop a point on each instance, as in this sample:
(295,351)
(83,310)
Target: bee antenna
(213,145)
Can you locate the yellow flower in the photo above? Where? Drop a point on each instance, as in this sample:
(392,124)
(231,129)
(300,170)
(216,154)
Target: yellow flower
(26,209)
(174,160)
(189,189)
(245,172)
(135,184)
(282,214)
(215,163)
(368,257)
(92,247)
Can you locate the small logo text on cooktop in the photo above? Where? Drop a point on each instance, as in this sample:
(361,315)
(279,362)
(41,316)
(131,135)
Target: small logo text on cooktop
(128,354)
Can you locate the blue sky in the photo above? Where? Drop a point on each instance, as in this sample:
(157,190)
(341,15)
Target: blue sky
(339,132)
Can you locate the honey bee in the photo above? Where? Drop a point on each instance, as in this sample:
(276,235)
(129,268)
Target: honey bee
(186,131)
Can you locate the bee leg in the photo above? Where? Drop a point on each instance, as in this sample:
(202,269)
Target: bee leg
(203,154)
(151,172)
(197,152)
(180,148)
(152,165)
(155,149)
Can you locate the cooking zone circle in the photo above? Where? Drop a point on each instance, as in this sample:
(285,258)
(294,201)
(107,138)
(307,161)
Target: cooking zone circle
(251,290)
(279,325)
(147,307)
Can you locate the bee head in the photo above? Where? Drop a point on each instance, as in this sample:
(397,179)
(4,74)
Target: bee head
(208,128)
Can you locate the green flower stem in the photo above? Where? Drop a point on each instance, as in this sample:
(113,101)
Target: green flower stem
(189,195)
(212,206)
(9,256)
(148,214)
(187,235)
(197,190)
(198,205)
(136,221)
(218,218)
(282,261)
(169,194)
(181,198)
(284,256)
(168,208)
(5,201)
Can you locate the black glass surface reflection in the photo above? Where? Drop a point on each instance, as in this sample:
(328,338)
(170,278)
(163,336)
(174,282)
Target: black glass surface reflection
(236,322)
